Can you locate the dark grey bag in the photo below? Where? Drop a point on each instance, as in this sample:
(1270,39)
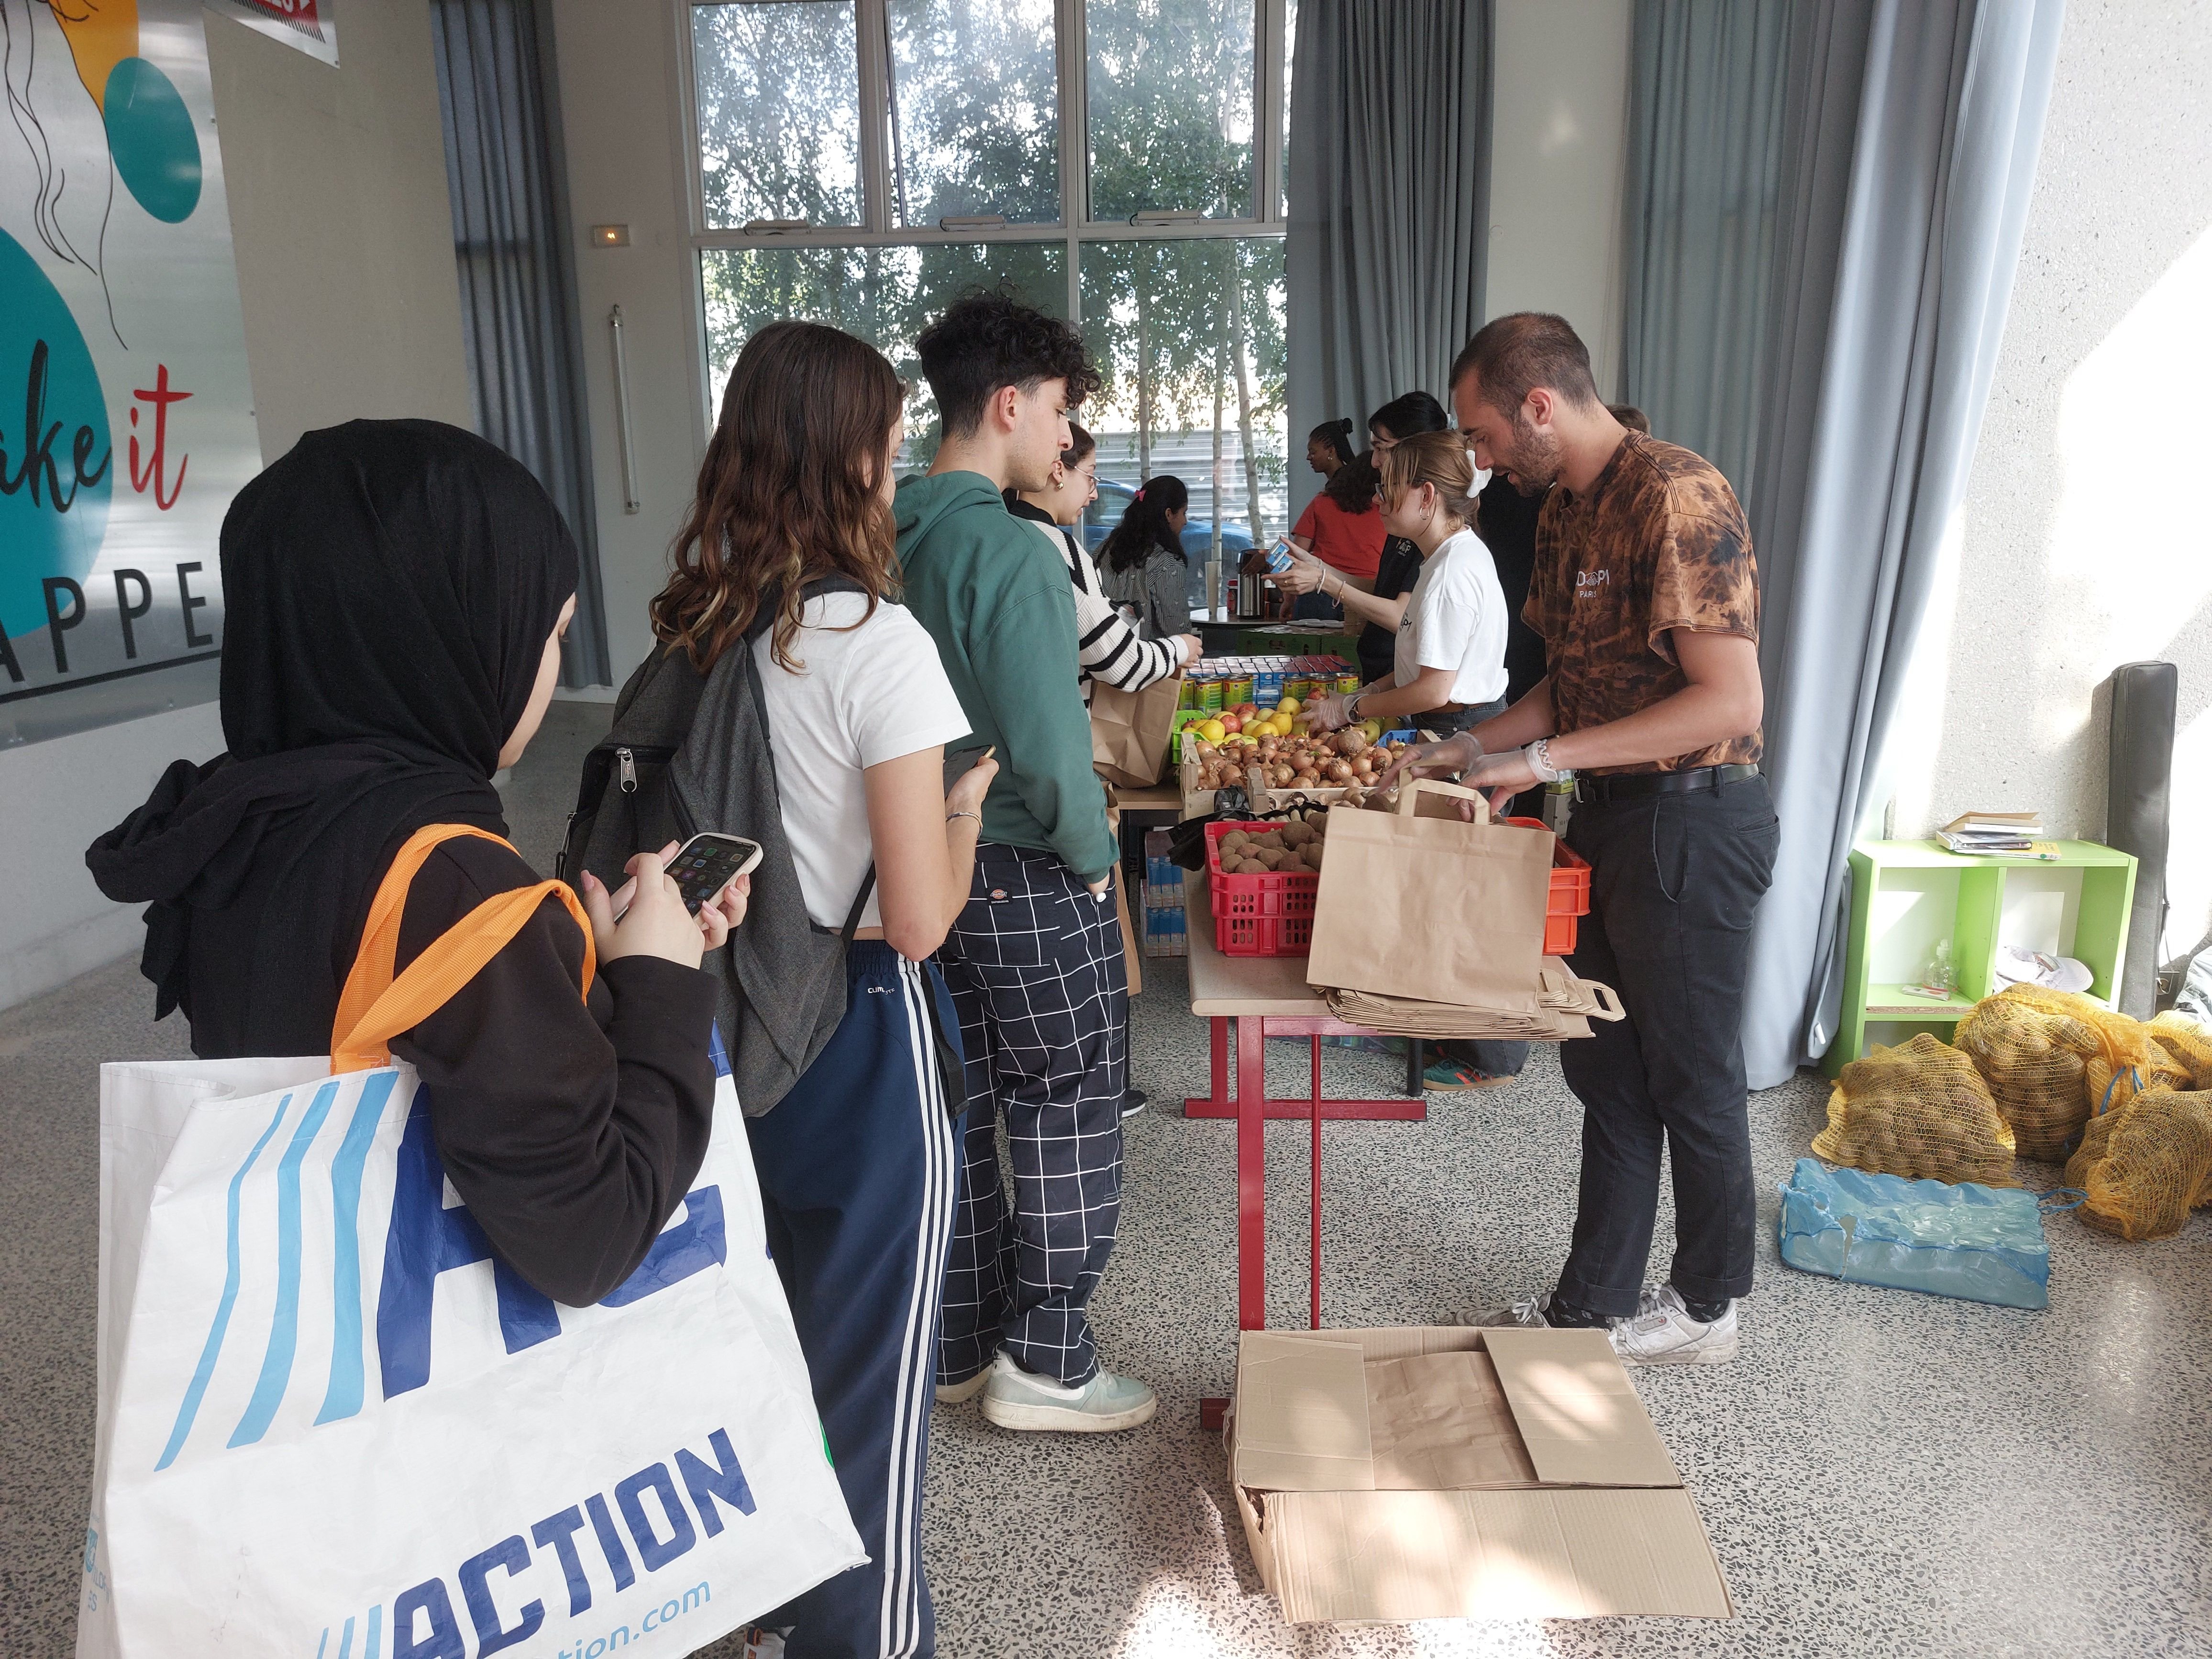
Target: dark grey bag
(688,752)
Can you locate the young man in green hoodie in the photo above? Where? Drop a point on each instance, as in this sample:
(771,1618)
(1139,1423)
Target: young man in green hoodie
(1035,961)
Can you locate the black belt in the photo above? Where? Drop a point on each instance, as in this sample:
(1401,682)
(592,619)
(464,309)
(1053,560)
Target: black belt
(1632,786)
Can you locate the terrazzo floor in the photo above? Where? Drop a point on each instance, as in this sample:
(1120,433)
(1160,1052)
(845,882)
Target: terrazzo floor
(1882,1474)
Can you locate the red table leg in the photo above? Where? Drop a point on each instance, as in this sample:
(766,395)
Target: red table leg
(1251,1176)
(1315,1225)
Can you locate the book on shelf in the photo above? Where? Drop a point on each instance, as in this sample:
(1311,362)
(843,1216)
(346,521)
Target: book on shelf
(2012,833)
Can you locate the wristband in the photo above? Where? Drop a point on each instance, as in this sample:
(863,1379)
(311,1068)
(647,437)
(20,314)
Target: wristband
(1539,756)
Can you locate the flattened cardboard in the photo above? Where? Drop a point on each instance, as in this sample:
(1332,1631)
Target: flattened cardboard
(1545,1553)
(1577,1409)
(1497,1474)
(1301,1414)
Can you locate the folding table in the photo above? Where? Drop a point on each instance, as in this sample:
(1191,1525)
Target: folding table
(1265,996)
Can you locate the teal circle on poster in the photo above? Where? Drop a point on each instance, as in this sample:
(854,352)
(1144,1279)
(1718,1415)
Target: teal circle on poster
(149,134)
(51,522)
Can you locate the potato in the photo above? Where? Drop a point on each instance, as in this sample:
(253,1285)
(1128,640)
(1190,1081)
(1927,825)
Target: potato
(1233,840)
(1311,853)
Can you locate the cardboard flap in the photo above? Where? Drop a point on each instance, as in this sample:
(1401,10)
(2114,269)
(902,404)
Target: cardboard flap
(1576,1411)
(1528,1554)
(1301,1414)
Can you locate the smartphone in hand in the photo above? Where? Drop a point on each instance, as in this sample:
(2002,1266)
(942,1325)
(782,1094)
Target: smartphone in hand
(707,863)
(959,763)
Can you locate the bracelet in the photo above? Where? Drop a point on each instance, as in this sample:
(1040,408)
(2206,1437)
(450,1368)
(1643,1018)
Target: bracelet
(978,816)
(1539,756)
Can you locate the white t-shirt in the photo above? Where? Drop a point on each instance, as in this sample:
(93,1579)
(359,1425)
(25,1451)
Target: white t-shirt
(866,694)
(1456,619)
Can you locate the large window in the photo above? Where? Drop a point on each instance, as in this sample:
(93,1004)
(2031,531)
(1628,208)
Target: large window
(863,162)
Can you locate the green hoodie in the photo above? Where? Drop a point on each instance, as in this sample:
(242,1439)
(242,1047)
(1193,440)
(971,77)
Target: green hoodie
(999,603)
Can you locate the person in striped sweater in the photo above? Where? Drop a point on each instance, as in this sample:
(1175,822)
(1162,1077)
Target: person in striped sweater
(1108,646)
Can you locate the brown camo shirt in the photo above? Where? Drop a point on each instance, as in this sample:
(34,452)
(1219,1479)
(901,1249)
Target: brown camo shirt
(1657,542)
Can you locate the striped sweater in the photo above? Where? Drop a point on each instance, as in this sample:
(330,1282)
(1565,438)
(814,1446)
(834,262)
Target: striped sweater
(1106,642)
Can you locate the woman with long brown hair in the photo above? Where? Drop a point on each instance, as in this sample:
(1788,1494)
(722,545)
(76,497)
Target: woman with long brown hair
(788,551)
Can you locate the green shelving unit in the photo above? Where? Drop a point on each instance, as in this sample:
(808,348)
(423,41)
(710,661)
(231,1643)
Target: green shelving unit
(1905,894)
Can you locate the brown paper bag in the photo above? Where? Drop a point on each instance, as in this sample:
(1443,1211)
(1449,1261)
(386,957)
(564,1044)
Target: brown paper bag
(1129,731)
(1410,905)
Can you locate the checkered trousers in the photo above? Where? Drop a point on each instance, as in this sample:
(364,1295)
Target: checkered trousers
(1035,970)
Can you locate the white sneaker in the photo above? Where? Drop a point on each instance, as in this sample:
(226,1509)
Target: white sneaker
(1527,1314)
(1017,1398)
(1661,1333)
(959,1394)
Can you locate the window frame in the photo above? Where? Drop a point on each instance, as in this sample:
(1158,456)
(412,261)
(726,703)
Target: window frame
(1075,226)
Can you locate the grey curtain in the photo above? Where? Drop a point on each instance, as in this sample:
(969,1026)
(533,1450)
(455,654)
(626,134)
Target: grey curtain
(1907,182)
(497,93)
(1388,182)
(1707,84)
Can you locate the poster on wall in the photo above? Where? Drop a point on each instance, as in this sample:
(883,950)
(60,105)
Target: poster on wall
(126,418)
(311,25)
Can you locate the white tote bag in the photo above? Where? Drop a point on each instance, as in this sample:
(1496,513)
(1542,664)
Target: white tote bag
(334,1425)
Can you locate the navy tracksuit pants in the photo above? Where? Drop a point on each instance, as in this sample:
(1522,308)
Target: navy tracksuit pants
(858,1171)
(1036,969)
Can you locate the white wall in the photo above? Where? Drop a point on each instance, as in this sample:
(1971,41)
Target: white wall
(1558,165)
(2082,543)
(343,231)
(344,244)
(618,102)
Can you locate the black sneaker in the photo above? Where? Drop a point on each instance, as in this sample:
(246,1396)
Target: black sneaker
(1132,1102)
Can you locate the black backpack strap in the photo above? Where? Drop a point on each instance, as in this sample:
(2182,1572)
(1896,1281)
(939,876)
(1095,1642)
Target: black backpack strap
(859,904)
(759,693)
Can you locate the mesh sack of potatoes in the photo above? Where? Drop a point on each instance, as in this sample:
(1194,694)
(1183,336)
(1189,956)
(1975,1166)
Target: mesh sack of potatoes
(2145,1165)
(1920,1110)
(2187,1045)
(2141,1064)
(2033,1046)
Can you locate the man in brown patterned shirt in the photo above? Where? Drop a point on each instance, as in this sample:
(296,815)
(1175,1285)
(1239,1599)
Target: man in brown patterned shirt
(1646,592)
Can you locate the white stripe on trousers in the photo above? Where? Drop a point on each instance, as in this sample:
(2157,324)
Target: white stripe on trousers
(902,1599)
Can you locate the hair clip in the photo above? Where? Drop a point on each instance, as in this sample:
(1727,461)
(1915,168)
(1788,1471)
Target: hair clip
(1140,495)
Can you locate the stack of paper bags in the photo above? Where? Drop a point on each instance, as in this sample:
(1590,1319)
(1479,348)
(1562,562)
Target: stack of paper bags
(1428,924)
(1567,1006)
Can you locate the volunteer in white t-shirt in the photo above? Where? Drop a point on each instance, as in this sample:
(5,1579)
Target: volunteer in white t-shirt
(1449,668)
(857,1163)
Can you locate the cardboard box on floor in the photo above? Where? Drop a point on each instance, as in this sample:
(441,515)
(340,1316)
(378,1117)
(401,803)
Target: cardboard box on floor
(1433,1473)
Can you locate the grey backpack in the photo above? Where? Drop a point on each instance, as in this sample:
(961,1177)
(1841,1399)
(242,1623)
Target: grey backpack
(688,752)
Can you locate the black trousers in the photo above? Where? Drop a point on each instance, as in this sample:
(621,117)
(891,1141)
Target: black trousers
(1675,880)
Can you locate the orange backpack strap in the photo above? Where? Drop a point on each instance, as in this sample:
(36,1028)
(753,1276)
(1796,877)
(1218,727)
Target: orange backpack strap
(375,1007)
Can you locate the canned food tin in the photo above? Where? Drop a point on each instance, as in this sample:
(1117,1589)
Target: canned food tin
(1238,691)
(1209,695)
(1348,683)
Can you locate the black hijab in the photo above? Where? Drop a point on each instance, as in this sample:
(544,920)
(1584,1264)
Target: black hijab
(388,589)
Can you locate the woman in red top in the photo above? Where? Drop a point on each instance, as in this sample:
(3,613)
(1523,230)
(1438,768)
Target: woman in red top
(1342,527)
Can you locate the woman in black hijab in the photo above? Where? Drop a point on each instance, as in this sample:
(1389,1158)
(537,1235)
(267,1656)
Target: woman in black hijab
(395,592)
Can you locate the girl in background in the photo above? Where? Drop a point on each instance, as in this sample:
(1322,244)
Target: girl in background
(1106,644)
(1142,563)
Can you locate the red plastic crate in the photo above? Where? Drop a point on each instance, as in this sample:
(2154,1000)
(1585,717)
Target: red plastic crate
(1269,916)
(1569,897)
